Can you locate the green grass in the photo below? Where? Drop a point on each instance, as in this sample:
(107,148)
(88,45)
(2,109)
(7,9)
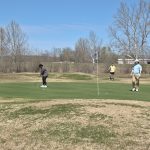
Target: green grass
(99,116)
(55,110)
(62,90)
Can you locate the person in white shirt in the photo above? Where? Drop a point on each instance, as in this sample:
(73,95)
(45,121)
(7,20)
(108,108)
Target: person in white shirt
(136,73)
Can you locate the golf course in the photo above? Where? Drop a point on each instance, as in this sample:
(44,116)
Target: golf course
(76,111)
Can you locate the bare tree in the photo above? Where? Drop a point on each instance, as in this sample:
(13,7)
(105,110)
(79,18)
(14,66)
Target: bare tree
(81,50)
(94,46)
(55,54)
(131,29)
(67,55)
(16,39)
(3,49)
(3,43)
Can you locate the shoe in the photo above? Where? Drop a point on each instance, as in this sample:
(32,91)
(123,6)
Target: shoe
(42,85)
(137,90)
(133,89)
(45,86)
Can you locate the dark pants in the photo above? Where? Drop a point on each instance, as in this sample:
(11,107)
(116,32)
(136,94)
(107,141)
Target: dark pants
(44,80)
(111,75)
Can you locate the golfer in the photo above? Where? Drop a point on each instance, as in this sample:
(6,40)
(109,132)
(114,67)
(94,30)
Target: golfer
(112,70)
(136,73)
(44,75)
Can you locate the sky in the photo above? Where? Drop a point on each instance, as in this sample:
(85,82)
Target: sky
(60,23)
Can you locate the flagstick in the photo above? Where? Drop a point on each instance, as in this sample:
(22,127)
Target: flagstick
(97,76)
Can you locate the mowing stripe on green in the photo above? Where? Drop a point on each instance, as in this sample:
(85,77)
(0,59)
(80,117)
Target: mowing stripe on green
(72,91)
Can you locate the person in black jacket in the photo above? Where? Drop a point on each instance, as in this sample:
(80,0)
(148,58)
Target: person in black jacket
(44,75)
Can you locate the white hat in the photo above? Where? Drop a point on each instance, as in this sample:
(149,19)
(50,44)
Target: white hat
(136,60)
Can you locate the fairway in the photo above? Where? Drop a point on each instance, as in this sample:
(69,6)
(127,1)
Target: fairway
(71,90)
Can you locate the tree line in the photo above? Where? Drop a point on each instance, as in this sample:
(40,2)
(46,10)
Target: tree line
(130,38)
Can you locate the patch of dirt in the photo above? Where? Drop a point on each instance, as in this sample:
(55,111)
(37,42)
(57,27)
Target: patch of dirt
(128,120)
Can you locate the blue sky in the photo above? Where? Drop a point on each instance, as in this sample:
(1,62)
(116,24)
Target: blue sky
(59,23)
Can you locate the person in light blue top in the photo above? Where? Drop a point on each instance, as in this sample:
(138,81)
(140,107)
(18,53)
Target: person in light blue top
(136,73)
